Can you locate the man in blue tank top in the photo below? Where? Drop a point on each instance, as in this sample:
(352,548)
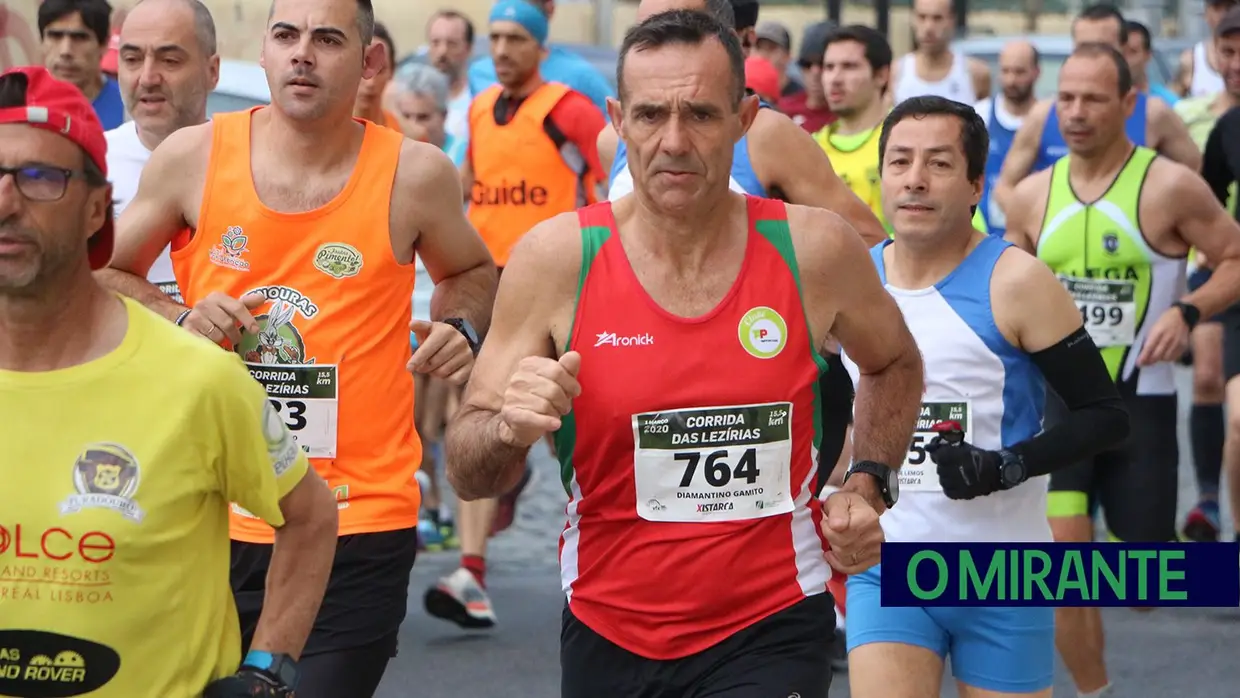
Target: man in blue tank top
(1018,72)
(1152,123)
(995,319)
(776,158)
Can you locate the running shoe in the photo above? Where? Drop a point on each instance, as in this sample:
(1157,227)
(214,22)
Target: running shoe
(447,533)
(460,599)
(1202,524)
(507,510)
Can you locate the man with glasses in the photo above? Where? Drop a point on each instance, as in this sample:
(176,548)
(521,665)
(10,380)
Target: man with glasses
(808,108)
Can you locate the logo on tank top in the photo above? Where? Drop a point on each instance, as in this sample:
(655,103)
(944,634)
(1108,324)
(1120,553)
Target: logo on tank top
(105,476)
(227,252)
(278,340)
(763,332)
(338,260)
(1110,243)
(636,340)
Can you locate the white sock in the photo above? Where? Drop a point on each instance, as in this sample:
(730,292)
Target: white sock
(1096,694)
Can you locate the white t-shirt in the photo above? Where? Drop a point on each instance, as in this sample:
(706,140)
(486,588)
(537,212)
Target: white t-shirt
(126,158)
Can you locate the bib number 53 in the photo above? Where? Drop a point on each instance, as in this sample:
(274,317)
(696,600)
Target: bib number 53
(292,412)
(715,468)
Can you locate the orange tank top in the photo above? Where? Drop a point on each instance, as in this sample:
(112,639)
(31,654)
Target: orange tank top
(334,336)
(520,176)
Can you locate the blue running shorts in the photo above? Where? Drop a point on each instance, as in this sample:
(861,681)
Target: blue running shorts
(1011,650)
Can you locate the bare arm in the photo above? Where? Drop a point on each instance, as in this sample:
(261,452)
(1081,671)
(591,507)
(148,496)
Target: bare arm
(171,178)
(301,561)
(1024,212)
(1023,154)
(1184,77)
(1171,135)
(608,141)
(786,157)
(1205,225)
(540,278)
(453,252)
(837,272)
(979,72)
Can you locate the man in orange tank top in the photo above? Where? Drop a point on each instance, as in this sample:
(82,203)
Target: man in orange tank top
(532,155)
(633,329)
(294,229)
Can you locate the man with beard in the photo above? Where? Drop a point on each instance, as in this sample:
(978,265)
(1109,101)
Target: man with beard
(933,68)
(1018,72)
(167,66)
(369,102)
(75,34)
(296,228)
(450,37)
(531,156)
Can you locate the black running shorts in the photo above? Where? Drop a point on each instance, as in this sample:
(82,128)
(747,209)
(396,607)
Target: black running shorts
(366,598)
(1136,484)
(785,654)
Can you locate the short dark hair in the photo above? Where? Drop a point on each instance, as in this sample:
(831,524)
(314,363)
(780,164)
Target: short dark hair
(746,12)
(722,11)
(453,14)
(877,50)
(382,34)
(96,15)
(974,139)
(1097,50)
(687,27)
(13,94)
(1135,27)
(1105,10)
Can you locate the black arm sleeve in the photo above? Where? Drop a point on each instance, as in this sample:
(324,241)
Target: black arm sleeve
(1097,418)
(836,389)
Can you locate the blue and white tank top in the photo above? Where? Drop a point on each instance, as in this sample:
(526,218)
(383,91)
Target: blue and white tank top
(976,377)
(1001,138)
(1052,147)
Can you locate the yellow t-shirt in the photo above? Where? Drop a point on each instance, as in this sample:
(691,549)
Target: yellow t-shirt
(114,545)
(855,159)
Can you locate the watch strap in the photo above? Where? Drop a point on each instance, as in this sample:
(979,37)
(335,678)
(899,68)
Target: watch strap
(1190,313)
(879,472)
(280,667)
(467,331)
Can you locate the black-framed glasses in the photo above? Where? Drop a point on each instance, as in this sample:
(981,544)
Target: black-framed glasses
(40,182)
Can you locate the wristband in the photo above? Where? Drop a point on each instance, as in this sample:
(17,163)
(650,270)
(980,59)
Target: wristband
(180,321)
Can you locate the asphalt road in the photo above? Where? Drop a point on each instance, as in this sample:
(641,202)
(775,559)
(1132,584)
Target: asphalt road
(1168,653)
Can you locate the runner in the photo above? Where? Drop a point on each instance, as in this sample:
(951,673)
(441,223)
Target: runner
(168,65)
(75,35)
(856,66)
(1221,170)
(683,264)
(934,68)
(1198,75)
(808,108)
(299,254)
(369,102)
(532,155)
(420,94)
(450,43)
(994,319)
(1019,71)
(773,42)
(1206,425)
(1139,52)
(98,414)
(775,157)
(1151,123)
(1127,280)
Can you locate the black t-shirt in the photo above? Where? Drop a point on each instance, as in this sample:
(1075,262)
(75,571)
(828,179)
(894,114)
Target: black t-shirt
(1220,161)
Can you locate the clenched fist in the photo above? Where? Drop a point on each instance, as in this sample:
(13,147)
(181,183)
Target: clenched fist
(540,392)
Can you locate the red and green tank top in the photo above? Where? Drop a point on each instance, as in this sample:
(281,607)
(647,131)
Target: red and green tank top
(690,457)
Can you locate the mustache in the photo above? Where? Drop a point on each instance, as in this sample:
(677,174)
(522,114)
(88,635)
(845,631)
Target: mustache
(15,233)
(306,76)
(670,164)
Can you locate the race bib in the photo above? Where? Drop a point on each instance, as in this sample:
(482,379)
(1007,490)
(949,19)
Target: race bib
(1108,309)
(170,289)
(713,464)
(306,398)
(919,474)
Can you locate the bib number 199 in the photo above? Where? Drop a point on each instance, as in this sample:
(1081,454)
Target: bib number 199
(1100,316)
(715,468)
(292,412)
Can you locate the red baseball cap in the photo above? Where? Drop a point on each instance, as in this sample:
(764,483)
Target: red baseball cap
(59,106)
(762,77)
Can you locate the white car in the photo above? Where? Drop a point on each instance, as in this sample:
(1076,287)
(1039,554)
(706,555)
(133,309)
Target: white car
(242,85)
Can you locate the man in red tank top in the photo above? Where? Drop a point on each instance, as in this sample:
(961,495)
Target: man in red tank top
(672,341)
(294,229)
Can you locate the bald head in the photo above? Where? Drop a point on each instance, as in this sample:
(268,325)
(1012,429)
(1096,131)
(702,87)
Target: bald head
(1019,53)
(1018,72)
(191,11)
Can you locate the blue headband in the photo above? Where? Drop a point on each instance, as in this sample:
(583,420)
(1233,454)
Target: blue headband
(529,17)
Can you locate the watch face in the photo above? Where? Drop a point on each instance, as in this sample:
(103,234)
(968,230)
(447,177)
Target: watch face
(893,485)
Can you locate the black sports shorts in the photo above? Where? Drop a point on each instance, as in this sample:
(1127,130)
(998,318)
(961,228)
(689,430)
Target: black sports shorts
(785,654)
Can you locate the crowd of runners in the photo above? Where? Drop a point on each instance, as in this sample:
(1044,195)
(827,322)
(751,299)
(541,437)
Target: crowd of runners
(251,365)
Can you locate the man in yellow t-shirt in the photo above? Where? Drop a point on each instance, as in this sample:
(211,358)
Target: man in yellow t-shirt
(125,440)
